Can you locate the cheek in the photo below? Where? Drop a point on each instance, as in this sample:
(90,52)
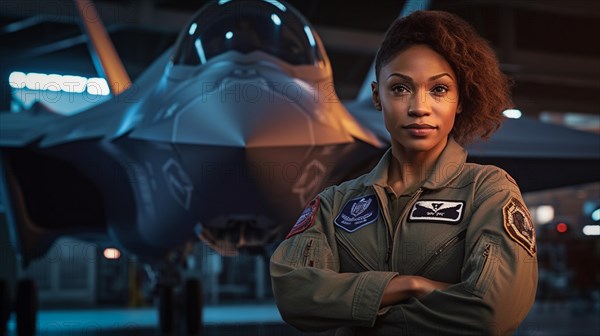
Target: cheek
(390,121)
(450,119)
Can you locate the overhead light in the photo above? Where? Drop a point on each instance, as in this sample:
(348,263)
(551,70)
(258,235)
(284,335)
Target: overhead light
(276,20)
(97,86)
(512,113)
(543,214)
(111,253)
(36,81)
(591,230)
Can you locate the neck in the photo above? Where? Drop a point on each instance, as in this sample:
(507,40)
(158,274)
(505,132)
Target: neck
(409,169)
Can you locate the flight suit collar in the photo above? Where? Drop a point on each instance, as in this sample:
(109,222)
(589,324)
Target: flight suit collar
(447,168)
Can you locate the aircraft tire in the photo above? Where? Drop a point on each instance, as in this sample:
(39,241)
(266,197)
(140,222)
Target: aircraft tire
(193,306)
(26,307)
(4,307)
(166,305)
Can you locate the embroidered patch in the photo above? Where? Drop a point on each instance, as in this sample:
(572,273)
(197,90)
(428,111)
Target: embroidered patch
(307,217)
(519,226)
(449,212)
(358,213)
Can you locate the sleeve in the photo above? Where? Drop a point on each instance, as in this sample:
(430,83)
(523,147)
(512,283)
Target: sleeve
(310,293)
(498,276)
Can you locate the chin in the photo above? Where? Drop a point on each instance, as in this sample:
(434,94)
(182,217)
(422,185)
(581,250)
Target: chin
(419,145)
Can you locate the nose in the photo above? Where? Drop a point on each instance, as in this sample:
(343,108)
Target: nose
(420,104)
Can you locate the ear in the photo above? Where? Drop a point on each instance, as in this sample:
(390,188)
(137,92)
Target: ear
(459,108)
(375,96)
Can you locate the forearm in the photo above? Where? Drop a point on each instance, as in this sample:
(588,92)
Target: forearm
(403,287)
(314,299)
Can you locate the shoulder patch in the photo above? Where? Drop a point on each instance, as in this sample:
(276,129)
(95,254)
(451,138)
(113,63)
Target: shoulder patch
(358,213)
(307,217)
(441,211)
(518,225)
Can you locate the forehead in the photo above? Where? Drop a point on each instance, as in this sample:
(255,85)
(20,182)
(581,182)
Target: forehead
(415,60)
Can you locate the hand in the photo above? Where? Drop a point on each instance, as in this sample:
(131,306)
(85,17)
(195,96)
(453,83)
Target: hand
(403,287)
(424,286)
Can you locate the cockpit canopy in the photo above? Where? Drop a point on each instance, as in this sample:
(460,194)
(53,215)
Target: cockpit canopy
(245,26)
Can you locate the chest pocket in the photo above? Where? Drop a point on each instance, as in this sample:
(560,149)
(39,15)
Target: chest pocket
(445,263)
(363,249)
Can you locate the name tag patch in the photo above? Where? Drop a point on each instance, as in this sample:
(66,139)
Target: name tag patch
(358,213)
(449,212)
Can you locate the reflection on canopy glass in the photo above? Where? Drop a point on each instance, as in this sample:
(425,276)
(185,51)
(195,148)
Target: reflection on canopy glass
(246,26)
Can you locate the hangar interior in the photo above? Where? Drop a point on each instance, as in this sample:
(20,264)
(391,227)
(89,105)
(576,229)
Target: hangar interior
(548,47)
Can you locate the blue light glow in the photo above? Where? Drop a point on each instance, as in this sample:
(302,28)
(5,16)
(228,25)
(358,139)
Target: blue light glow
(222,2)
(200,50)
(229,35)
(596,215)
(193,28)
(276,19)
(311,38)
(276,4)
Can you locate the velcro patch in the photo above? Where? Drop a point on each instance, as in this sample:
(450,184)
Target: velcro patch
(519,226)
(448,212)
(307,217)
(358,213)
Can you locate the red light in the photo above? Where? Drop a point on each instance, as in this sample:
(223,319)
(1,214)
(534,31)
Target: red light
(561,227)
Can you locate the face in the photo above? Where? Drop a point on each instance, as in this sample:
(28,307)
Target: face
(418,93)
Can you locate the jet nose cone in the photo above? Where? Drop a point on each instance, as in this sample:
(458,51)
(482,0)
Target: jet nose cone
(246,110)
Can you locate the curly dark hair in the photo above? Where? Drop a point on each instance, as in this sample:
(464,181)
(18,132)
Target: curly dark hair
(484,91)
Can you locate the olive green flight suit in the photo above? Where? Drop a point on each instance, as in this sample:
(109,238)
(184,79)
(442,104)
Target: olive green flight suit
(466,225)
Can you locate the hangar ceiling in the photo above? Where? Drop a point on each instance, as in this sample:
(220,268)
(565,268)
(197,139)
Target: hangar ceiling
(548,47)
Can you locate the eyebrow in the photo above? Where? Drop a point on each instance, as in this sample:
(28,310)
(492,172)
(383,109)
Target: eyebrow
(408,78)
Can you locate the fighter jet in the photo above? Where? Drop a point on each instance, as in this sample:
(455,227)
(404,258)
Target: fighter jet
(226,137)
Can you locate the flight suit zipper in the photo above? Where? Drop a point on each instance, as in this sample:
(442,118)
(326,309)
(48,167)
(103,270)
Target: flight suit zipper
(401,220)
(485,255)
(448,244)
(388,230)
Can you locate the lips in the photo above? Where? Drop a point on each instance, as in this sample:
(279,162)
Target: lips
(419,126)
(420,130)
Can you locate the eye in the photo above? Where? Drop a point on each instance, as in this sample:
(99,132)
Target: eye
(400,89)
(440,90)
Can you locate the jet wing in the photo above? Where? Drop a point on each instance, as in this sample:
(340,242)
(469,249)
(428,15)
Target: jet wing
(538,155)
(110,119)
(20,129)
(528,138)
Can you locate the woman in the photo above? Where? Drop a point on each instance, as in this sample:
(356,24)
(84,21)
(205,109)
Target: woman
(425,243)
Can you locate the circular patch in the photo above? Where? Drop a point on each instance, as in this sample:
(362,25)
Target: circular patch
(519,226)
